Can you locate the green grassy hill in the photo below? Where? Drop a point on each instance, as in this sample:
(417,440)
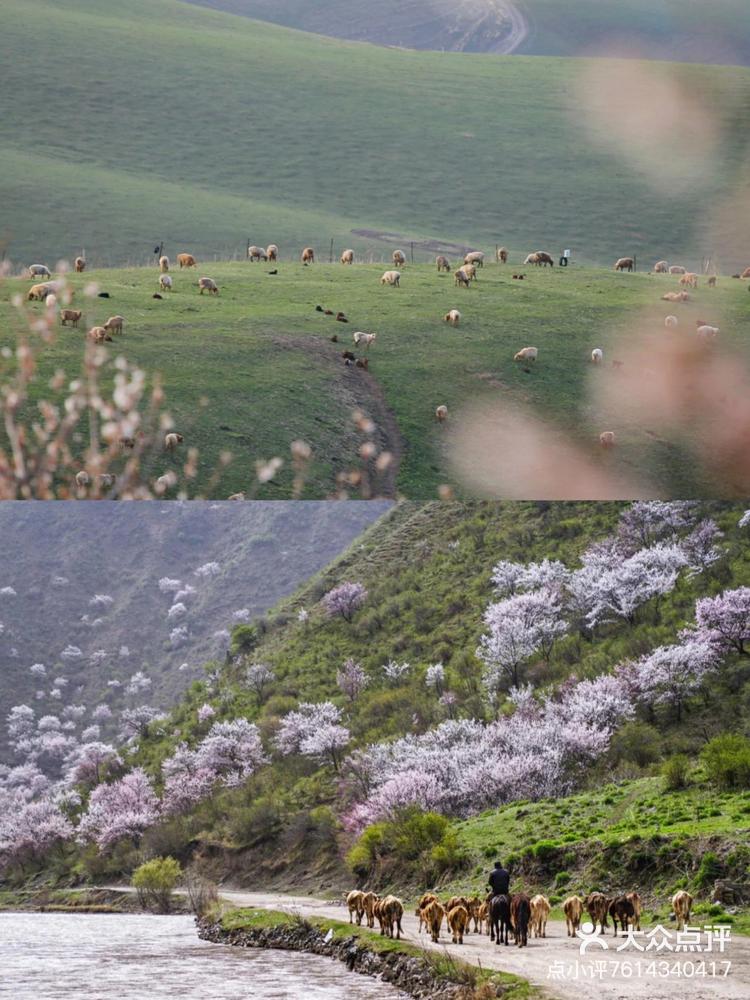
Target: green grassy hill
(658,29)
(203,129)
(265,551)
(262,357)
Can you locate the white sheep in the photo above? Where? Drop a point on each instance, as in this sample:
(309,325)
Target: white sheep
(526,354)
(670,321)
(453,317)
(597,356)
(39,271)
(475,257)
(607,439)
(661,267)
(365,339)
(171,440)
(164,264)
(391,278)
(82,478)
(706,332)
(165,283)
(441,413)
(208,285)
(399,258)
(677,269)
(347,257)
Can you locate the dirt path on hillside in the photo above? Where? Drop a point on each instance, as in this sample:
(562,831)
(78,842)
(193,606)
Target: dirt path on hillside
(358,390)
(494,13)
(534,962)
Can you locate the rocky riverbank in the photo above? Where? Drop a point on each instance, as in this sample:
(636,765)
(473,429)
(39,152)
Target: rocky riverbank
(418,976)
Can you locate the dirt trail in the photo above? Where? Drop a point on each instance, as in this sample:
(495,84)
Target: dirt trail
(533,963)
(487,17)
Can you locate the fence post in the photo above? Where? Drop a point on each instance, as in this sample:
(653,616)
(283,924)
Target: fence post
(412,253)
(635,263)
(330,255)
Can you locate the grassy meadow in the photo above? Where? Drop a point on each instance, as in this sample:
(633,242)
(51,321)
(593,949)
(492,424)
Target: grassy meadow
(254,369)
(282,136)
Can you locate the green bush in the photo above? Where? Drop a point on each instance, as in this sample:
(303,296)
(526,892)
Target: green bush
(154,881)
(675,772)
(709,870)
(562,879)
(638,743)
(726,759)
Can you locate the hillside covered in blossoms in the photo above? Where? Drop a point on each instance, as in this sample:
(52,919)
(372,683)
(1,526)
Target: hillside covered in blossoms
(458,660)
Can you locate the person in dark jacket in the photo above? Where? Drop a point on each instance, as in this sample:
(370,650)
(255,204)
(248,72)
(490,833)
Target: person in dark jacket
(499,880)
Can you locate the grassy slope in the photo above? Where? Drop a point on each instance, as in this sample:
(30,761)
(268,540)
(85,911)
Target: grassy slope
(260,355)
(665,29)
(271,134)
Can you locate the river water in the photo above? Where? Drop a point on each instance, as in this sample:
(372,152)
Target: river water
(60,956)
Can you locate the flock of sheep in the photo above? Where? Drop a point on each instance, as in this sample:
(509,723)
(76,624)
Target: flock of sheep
(464,276)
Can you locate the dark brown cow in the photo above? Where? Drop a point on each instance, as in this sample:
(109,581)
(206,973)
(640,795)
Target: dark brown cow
(622,911)
(520,915)
(499,919)
(597,905)
(635,899)
(432,915)
(543,258)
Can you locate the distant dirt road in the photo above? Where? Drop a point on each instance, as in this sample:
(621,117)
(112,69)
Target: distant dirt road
(533,963)
(519,27)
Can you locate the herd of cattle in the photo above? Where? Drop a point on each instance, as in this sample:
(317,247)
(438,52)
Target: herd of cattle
(501,916)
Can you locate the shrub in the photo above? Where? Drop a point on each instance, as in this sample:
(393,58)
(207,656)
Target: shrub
(154,881)
(675,771)
(638,743)
(727,760)
(203,894)
(709,870)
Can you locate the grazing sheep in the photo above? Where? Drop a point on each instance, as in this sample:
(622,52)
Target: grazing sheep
(272,251)
(362,363)
(256,253)
(475,257)
(670,321)
(114,324)
(453,317)
(706,332)
(745,273)
(236,496)
(80,265)
(443,264)
(39,293)
(689,280)
(526,354)
(597,356)
(347,257)
(164,264)
(502,255)
(470,270)
(107,479)
(99,335)
(624,264)
(462,278)
(186,260)
(165,283)
(712,281)
(441,413)
(543,258)
(676,296)
(51,301)
(39,271)
(391,278)
(677,269)
(365,339)
(308,255)
(399,258)
(172,439)
(71,316)
(82,478)
(341,317)
(208,285)
(661,267)
(607,439)
(532,258)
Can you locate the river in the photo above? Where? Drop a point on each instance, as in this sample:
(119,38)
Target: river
(60,956)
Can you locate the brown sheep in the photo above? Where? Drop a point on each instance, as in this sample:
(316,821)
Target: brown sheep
(443,264)
(186,260)
(661,267)
(475,257)
(99,335)
(107,479)
(441,413)
(114,324)
(208,285)
(461,278)
(607,440)
(308,255)
(164,264)
(543,258)
(526,354)
(689,279)
(532,258)
(39,293)
(624,264)
(82,478)
(502,255)
(712,281)
(458,920)
(80,265)
(347,257)
(71,316)
(676,297)
(171,440)
(272,252)
(677,269)
(399,258)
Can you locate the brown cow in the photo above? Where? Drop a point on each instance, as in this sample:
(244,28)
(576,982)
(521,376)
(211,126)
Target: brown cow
(186,260)
(624,264)
(543,258)
(424,902)
(635,899)
(432,915)
(369,899)
(573,910)
(308,255)
(72,316)
(458,922)
(597,905)
(520,915)
(354,904)
(622,911)
(539,914)
(391,911)
(682,903)
(475,905)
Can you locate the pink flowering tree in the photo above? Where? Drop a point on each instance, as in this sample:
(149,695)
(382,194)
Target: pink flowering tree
(29,829)
(726,619)
(124,809)
(671,674)
(314,730)
(89,763)
(352,679)
(259,677)
(344,600)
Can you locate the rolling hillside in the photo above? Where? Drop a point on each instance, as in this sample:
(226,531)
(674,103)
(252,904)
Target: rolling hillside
(269,134)
(656,29)
(57,557)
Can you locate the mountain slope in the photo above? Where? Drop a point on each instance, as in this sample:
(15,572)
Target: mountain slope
(657,29)
(58,557)
(273,136)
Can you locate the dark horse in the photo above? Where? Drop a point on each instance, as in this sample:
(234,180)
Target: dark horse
(500,926)
(520,914)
